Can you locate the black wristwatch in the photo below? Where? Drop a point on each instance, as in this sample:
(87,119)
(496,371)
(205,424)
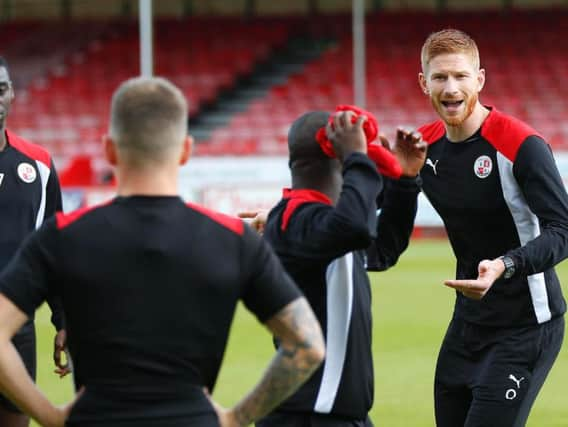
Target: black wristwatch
(509,267)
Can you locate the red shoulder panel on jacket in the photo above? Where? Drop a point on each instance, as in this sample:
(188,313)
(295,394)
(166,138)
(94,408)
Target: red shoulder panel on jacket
(432,131)
(31,150)
(297,198)
(506,133)
(236,225)
(63,220)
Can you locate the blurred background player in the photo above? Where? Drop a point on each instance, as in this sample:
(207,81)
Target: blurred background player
(320,230)
(494,182)
(29,194)
(142,291)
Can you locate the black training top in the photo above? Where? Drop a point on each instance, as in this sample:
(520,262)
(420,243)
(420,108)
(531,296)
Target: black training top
(149,287)
(29,194)
(323,248)
(499,193)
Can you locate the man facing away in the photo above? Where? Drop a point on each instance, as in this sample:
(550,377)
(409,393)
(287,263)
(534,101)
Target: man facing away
(29,194)
(494,182)
(147,305)
(320,230)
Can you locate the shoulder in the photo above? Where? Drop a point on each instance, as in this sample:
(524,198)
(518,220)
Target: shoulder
(506,133)
(432,132)
(63,220)
(236,225)
(29,149)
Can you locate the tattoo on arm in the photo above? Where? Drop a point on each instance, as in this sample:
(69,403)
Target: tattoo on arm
(300,353)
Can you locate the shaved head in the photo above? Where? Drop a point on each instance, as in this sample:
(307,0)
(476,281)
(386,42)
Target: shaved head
(148,122)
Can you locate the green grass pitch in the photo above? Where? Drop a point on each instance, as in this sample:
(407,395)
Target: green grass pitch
(411,309)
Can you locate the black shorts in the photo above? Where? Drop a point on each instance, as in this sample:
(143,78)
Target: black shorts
(299,419)
(491,377)
(25,343)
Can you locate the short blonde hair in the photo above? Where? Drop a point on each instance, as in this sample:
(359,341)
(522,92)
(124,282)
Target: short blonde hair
(148,119)
(448,41)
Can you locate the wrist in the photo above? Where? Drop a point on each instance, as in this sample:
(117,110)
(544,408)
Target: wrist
(509,267)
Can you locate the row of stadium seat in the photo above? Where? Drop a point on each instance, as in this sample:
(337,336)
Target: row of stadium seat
(66,108)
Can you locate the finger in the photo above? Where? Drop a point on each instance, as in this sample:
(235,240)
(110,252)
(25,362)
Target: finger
(348,119)
(416,136)
(338,121)
(421,145)
(247,214)
(330,129)
(360,121)
(384,141)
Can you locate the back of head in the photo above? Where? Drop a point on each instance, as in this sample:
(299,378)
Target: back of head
(448,41)
(148,120)
(306,157)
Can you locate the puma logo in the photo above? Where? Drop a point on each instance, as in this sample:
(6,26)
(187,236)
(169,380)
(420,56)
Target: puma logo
(518,382)
(429,162)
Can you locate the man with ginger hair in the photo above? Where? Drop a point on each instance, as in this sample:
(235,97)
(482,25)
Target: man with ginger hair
(494,182)
(148,310)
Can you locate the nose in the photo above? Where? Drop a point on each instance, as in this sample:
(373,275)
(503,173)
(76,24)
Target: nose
(451,86)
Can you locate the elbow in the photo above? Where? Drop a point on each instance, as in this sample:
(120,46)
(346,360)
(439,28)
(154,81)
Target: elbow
(314,353)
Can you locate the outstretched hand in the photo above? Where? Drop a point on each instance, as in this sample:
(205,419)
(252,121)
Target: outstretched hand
(488,272)
(58,415)
(256,219)
(409,149)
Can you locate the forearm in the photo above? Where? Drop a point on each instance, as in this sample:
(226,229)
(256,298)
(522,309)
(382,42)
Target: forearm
(285,374)
(16,384)
(395,224)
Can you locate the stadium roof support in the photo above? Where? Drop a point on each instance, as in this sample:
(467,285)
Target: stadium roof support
(359,75)
(146,46)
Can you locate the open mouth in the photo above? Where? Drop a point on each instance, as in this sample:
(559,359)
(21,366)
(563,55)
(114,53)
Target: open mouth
(452,104)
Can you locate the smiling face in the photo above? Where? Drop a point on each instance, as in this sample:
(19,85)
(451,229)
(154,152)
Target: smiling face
(453,82)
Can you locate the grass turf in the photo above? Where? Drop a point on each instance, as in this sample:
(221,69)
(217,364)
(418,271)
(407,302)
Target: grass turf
(411,309)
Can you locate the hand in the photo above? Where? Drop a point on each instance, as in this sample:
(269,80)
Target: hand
(59,414)
(489,271)
(347,137)
(257,218)
(59,347)
(409,149)
(226,416)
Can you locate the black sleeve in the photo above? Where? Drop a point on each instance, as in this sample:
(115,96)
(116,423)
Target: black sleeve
(322,232)
(540,182)
(53,205)
(395,223)
(267,287)
(53,201)
(26,279)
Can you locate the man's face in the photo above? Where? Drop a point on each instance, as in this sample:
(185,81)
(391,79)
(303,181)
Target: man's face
(6,94)
(453,83)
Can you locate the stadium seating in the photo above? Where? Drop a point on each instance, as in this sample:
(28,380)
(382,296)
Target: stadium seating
(526,75)
(64,103)
(66,108)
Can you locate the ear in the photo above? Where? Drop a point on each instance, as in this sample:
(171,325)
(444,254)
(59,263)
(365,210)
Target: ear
(186,150)
(422,83)
(12,93)
(109,149)
(481,78)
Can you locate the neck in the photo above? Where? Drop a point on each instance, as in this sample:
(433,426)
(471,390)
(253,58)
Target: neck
(469,126)
(147,182)
(328,187)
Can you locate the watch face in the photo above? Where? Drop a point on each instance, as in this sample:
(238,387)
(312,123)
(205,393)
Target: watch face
(509,267)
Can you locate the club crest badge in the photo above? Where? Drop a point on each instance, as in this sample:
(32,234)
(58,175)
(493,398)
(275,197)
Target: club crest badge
(483,166)
(27,173)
